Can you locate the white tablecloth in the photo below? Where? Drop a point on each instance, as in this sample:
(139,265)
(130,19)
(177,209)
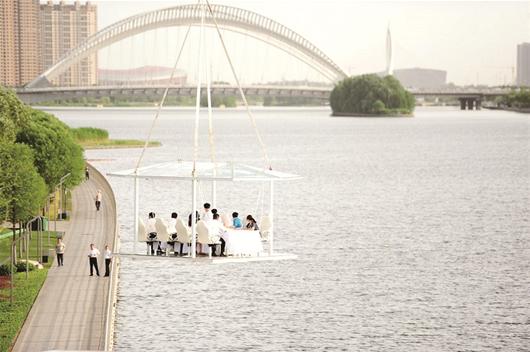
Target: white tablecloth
(242,242)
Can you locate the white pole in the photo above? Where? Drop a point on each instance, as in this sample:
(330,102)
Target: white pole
(193,215)
(271,216)
(136,211)
(214,193)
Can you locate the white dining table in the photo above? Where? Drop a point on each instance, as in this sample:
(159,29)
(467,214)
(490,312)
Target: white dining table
(242,242)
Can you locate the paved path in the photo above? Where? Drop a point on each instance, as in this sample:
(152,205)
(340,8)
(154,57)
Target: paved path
(71,309)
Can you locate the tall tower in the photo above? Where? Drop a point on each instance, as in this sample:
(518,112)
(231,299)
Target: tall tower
(389,61)
(523,64)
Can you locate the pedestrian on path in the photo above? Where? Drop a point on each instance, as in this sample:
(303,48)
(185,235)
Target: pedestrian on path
(87,174)
(108,259)
(93,254)
(98,199)
(59,250)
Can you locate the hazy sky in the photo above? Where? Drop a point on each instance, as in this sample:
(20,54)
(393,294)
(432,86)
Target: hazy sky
(473,41)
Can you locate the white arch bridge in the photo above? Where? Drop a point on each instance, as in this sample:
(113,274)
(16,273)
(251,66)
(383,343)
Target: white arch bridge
(230,18)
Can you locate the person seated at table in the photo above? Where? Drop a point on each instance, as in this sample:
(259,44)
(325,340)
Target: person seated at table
(172,230)
(197,218)
(207,214)
(151,232)
(217,228)
(251,223)
(172,226)
(236,221)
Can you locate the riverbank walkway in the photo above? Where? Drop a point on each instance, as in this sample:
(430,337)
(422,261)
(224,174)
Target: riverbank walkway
(71,310)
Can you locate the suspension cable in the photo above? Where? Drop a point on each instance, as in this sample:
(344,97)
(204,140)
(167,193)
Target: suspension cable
(210,119)
(243,97)
(198,95)
(162,101)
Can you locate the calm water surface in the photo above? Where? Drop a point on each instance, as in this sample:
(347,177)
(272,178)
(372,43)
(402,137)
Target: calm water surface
(412,234)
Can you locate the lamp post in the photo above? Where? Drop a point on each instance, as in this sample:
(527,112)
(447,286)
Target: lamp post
(60,185)
(61,202)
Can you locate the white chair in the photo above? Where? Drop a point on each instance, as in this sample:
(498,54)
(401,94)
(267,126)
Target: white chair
(226,220)
(204,236)
(265,227)
(162,232)
(142,233)
(183,235)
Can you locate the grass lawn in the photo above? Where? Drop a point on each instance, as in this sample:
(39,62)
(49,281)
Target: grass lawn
(25,291)
(12,317)
(5,247)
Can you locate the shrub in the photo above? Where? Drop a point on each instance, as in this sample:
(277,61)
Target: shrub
(21,267)
(5,270)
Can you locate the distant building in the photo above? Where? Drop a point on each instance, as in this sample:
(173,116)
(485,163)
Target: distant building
(19,42)
(421,78)
(63,27)
(145,75)
(523,64)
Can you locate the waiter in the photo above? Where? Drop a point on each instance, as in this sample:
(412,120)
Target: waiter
(93,254)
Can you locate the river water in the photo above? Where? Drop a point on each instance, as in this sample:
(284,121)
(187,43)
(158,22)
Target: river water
(412,234)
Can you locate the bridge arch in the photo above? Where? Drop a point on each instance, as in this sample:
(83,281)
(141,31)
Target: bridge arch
(228,17)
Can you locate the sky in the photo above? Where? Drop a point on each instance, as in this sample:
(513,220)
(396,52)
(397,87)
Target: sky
(475,42)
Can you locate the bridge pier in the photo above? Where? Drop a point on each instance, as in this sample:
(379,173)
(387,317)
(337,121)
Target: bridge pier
(470,103)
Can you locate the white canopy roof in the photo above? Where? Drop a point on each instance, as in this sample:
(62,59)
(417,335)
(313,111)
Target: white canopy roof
(220,171)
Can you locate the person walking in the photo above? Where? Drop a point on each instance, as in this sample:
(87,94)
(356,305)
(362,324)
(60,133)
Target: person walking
(87,174)
(98,199)
(108,259)
(59,250)
(93,254)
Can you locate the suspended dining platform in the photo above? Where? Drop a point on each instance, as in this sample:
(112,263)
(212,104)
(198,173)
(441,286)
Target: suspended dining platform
(213,172)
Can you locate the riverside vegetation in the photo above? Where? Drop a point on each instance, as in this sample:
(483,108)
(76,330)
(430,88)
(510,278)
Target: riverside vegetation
(517,99)
(36,150)
(371,95)
(95,138)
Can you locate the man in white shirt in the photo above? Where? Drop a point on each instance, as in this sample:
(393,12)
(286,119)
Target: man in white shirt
(151,233)
(98,198)
(217,228)
(108,259)
(172,229)
(207,215)
(93,254)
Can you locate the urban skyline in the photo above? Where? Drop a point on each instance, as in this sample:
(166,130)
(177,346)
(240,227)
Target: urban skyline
(60,32)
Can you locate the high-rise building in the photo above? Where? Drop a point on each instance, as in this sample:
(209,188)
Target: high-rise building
(63,27)
(523,64)
(19,42)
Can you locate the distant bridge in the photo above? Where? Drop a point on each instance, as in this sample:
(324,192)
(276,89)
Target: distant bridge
(37,95)
(230,18)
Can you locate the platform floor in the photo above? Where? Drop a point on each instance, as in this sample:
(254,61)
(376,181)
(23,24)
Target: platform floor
(213,260)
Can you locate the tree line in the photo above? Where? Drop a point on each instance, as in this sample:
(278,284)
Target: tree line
(36,151)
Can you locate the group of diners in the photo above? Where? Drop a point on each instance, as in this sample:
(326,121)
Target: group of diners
(216,225)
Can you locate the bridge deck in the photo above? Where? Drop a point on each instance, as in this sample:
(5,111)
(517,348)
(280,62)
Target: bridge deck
(70,311)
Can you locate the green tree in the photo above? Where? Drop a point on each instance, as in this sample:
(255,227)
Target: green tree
(371,94)
(22,189)
(13,115)
(56,152)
